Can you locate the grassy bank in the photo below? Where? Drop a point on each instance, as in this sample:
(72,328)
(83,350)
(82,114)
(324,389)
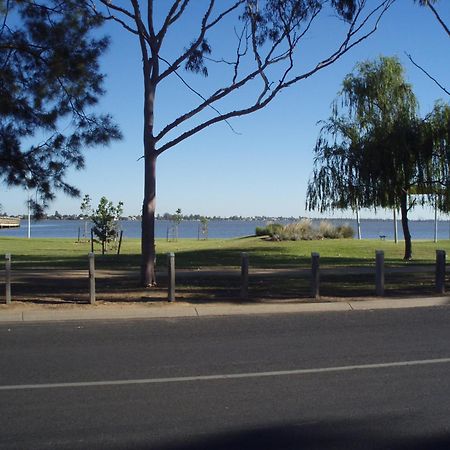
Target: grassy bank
(194,254)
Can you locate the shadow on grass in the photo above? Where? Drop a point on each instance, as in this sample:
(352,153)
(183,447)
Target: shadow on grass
(68,286)
(77,262)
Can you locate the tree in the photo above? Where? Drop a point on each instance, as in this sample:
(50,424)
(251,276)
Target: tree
(86,210)
(203,228)
(263,38)
(437,143)
(177,218)
(372,150)
(105,219)
(49,80)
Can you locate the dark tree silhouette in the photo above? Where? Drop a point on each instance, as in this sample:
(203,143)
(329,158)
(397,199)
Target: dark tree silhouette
(49,82)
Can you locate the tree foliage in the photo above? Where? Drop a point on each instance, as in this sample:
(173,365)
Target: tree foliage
(49,82)
(86,206)
(374,151)
(105,219)
(437,144)
(369,132)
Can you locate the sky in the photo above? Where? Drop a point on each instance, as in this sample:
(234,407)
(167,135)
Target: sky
(263,167)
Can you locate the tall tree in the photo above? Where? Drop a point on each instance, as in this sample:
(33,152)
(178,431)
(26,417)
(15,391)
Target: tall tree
(437,144)
(263,40)
(371,151)
(49,82)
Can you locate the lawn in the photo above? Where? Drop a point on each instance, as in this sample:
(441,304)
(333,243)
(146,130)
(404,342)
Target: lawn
(194,254)
(346,268)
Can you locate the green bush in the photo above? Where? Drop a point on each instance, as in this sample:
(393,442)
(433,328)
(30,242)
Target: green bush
(272,230)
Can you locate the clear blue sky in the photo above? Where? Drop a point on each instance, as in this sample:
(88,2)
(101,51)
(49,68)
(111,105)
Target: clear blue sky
(265,168)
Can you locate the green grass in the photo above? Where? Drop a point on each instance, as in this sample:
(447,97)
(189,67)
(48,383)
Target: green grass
(193,254)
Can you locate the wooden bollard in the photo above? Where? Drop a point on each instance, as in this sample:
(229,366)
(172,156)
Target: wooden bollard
(92,240)
(244,276)
(171,277)
(92,278)
(379,272)
(8,278)
(440,271)
(120,242)
(315,275)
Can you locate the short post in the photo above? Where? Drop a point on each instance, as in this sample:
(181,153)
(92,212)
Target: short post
(358,221)
(379,272)
(435,220)
(244,276)
(171,277)
(92,278)
(315,275)
(395,226)
(8,278)
(120,242)
(92,240)
(440,271)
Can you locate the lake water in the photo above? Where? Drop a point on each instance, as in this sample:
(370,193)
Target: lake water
(370,228)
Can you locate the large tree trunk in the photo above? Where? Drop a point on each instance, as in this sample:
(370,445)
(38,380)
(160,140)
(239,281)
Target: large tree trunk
(405,226)
(148,252)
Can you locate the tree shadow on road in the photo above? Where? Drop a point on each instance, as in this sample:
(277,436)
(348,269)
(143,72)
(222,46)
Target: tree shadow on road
(379,434)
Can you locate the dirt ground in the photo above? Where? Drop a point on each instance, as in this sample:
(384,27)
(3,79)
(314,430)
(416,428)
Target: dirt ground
(57,287)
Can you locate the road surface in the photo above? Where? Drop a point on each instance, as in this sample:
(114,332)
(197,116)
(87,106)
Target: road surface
(353,380)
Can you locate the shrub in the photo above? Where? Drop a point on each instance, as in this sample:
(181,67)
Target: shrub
(272,230)
(298,231)
(346,231)
(304,231)
(328,231)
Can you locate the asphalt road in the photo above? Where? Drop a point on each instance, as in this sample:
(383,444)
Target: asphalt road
(353,380)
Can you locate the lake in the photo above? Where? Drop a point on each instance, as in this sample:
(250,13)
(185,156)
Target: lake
(370,228)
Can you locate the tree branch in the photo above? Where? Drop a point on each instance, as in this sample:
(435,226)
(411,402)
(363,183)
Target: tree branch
(438,17)
(172,16)
(427,74)
(346,46)
(205,26)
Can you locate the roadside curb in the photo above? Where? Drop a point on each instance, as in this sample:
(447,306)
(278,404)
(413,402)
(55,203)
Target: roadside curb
(199,311)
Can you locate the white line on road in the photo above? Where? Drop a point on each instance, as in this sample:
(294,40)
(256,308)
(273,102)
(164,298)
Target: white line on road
(230,376)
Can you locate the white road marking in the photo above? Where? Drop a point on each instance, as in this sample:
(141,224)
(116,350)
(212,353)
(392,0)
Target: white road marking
(230,376)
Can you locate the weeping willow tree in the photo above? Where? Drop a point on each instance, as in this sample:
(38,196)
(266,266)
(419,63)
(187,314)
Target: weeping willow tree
(371,152)
(437,142)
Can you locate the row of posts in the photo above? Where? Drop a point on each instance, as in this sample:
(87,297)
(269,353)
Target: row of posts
(315,275)
(379,273)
